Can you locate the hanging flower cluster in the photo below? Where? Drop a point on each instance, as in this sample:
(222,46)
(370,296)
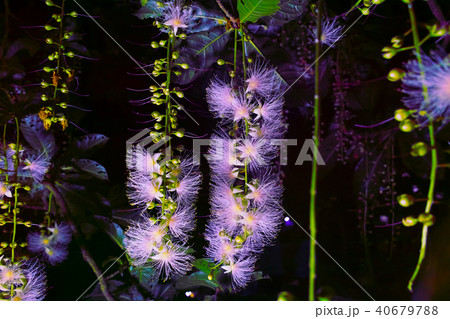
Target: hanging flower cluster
(245,189)
(163,185)
(59,75)
(23,281)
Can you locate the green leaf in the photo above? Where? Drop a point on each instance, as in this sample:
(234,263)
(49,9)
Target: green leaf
(37,136)
(91,141)
(92,168)
(112,229)
(149,10)
(289,10)
(197,279)
(204,265)
(252,10)
(201,50)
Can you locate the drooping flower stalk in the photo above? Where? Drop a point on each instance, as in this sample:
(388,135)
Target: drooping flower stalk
(313,187)
(434,156)
(245,188)
(162,185)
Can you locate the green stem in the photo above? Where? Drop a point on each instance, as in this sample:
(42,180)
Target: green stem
(434,156)
(167,123)
(16,196)
(313,188)
(58,68)
(246,120)
(235,50)
(5,148)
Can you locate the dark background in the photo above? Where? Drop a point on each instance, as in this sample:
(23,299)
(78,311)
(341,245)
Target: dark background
(381,269)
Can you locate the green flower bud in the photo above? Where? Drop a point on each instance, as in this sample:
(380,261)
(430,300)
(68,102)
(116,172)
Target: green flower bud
(427,219)
(47,69)
(407,125)
(401,115)
(419,149)
(388,52)
(397,41)
(155,114)
(220,62)
(405,200)
(179,94)
(365,11)
(70,54)
(73,14)
(185,66)
(183,36)
(409,221)
(154,45)
(175,55)
(49,41)
(43,96)
(49,27)
(179,133)
(395,75)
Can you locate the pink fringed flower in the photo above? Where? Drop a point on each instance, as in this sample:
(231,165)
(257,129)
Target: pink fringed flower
(241,271)
(172,261)
(176,16)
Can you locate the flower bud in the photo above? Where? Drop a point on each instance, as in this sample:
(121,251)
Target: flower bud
(49,27)
(395,75)
(220,62)
(179,94)
(405,200)
(388,52)
(419,149)
(397,41)
(407,125)
(409,221)
(427,219)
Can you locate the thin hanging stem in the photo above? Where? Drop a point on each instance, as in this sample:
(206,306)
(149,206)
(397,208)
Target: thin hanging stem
(313,188)
(16,195)
(434,156)
(58,68)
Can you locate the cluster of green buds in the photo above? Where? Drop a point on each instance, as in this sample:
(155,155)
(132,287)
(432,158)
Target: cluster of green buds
(407,123)
(407,200)
(10,205)
(367,4)
(59,74)
(397,42)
